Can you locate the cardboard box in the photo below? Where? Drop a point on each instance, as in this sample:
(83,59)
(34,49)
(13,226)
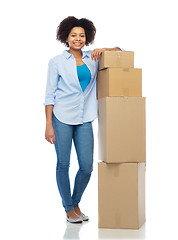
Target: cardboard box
(121,195)
(122,129)
(119,82)
(121,59)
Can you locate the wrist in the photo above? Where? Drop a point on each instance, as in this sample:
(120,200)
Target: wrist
(49,123)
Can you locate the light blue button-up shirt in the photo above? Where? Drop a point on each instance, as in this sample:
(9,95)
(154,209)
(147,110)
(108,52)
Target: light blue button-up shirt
(63,89)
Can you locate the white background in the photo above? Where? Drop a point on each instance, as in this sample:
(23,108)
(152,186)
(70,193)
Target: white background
(30,205)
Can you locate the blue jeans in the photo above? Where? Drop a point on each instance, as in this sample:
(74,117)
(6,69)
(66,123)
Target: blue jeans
(83,139)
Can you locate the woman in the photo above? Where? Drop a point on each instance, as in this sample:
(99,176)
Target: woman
(71,106)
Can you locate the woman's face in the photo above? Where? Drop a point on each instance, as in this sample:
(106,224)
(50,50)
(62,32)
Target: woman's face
(76,38)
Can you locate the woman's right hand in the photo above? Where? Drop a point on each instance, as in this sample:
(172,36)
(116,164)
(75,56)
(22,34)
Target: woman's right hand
(49,134)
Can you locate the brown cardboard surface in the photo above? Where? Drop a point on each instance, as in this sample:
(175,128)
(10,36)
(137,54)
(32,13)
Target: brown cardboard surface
(119,82)
(123,59)
(141,192)
(121,195)
(122,129)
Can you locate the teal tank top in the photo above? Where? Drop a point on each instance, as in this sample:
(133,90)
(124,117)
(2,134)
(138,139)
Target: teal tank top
(84,76)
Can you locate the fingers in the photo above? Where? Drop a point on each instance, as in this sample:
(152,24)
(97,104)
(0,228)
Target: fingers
(53,139)
(96,54)
(50,134)
(50,139)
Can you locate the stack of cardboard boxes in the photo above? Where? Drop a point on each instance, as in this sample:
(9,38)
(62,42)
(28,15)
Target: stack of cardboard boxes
(122,142)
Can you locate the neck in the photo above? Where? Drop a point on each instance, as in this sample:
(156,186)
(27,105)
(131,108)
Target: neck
(76,53)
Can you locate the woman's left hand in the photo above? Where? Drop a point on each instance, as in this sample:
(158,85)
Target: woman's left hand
(97,53)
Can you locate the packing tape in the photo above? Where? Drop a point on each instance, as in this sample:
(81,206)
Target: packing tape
(118,54)
(116,218)
(116,169)
(125,98)
(125,69)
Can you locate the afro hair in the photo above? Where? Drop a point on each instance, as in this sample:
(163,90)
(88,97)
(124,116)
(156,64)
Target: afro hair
(70,22)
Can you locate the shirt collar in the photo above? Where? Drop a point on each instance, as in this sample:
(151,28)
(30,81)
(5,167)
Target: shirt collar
(67,55)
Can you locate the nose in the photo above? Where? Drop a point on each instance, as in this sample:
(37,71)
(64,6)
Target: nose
(78,37)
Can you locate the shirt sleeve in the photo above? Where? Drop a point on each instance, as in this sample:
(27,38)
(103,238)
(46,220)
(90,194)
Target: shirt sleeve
(120,48)
(51,85)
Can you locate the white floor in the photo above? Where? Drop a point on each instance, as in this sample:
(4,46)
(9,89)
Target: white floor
(90,231)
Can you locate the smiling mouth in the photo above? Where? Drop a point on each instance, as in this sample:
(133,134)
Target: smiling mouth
(77,44)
